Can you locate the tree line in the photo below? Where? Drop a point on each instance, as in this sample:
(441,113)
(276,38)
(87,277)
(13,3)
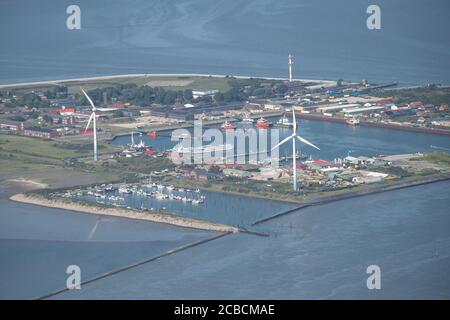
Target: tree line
(240,90)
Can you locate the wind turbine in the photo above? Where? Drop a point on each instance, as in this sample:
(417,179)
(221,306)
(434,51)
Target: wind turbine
(293,137)
(93,119)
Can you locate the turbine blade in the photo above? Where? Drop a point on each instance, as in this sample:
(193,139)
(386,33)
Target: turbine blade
(307,142)
(279,144)
(89,121)
(294,121)
(89,99)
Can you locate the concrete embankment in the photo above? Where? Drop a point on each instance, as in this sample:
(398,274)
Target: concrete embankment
(443,132)
(354,194)
(376,124)
(125,213)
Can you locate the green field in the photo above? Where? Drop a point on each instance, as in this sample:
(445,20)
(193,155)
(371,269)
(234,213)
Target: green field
(440,158)
(434,94)
(66,164)
(195,83)
(49,148)
(46,161)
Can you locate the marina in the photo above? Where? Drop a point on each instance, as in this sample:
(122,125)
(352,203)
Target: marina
(116,195)
(234,210)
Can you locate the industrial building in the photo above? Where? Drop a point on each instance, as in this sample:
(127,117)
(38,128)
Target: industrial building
(11,125)
(42,133)
(337,108)
(189,113)
(360,110)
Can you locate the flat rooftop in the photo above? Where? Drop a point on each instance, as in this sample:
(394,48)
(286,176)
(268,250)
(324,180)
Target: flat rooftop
(338,107)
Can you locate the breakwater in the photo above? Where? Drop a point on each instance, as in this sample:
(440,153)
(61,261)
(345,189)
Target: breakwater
(354,194)
(136,264)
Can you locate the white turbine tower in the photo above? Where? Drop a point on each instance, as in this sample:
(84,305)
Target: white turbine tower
(293,137)
(93,119)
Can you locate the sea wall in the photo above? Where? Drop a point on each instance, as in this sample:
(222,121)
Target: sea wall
(376,124)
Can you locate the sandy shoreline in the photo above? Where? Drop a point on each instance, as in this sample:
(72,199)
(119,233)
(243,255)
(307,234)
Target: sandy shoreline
(150,75)
(125,213)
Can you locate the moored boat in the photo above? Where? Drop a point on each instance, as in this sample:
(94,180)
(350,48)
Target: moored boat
(247,120)
(284,122)
(227,126)
(352,122)
(263,123)
(152,134)
(124,190)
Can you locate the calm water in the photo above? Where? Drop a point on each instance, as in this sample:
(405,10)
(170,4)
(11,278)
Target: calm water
(222,208)
(37,244)
(316,253)
(339,140)
(329,39)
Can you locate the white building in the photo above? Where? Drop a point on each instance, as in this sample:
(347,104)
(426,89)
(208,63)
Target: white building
(198,94)
(361,110)
(336,108)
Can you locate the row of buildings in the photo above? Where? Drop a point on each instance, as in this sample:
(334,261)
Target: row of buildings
(318,174)
(37,132)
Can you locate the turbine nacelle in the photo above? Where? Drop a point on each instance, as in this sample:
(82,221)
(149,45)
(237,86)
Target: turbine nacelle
(293,137)
(92,119)
(89,99)
(94,108)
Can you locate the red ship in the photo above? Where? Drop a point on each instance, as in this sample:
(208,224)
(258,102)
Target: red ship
(149,151)
(227,126)
(152,134)
(263,123)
